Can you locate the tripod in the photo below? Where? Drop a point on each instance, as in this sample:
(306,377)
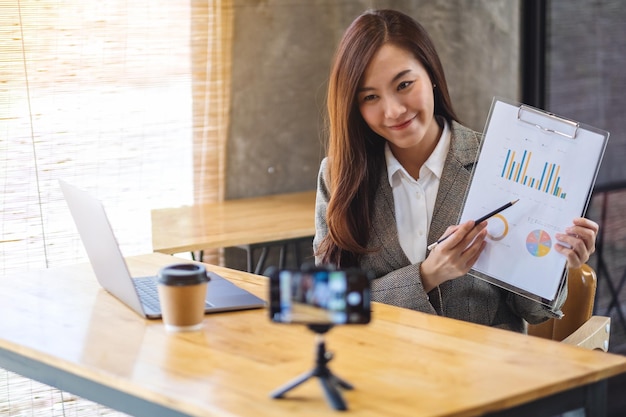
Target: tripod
(329,382)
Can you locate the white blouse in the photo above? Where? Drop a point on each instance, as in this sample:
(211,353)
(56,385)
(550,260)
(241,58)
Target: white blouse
(414,201)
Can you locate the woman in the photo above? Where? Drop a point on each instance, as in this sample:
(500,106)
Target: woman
(395,175)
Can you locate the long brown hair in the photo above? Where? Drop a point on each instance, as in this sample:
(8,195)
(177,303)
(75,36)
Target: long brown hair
(355,152)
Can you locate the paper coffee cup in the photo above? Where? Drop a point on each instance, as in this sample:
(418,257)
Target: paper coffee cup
(182,291)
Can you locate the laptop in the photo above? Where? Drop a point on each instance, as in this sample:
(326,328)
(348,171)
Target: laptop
(111,270)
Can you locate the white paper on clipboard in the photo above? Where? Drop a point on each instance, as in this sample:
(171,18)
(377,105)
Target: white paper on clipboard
(550,164)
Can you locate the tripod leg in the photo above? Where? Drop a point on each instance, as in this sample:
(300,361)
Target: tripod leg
(342,383)
(278,393)
(333,396)
(330,383)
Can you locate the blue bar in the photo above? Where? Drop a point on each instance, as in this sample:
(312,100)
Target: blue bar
(512,171)
(543,174)
(506,161)
(556,187)
(550,179)
(521,167)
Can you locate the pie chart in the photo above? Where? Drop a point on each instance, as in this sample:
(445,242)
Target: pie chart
(538,243)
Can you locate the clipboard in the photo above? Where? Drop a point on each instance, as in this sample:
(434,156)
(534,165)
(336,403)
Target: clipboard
(548,162)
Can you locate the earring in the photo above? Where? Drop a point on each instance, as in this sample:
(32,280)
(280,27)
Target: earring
(434,86)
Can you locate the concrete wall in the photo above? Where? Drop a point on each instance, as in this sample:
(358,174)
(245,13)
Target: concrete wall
(281,58)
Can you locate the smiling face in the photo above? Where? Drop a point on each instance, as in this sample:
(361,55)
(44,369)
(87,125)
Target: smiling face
(396,100)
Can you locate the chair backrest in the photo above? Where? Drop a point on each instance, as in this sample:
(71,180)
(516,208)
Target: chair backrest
(577,309)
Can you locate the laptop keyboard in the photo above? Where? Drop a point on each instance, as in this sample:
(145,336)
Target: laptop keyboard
(148,293)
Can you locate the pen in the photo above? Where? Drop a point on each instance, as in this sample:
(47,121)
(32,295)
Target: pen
(477,221)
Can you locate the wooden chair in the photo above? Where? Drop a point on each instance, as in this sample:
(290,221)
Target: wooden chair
(578,326)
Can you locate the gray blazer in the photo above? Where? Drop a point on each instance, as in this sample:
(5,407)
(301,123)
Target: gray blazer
(398,282)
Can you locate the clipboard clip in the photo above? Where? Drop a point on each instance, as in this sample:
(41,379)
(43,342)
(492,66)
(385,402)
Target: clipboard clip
(548,122)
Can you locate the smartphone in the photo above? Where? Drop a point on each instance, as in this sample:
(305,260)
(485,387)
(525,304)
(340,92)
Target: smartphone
(320,296)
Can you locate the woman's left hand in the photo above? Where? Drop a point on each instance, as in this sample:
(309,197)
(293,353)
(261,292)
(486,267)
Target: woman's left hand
(581,236)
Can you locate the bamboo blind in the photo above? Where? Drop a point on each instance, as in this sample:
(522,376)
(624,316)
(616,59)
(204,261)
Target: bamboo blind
(128,100)
(212,37)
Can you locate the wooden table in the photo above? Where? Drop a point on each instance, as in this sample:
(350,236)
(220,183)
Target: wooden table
(248,223)
(58,326)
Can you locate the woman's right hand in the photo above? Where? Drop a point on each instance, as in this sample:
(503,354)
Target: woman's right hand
(455,256)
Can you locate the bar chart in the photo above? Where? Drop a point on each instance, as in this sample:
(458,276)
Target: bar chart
(547,181)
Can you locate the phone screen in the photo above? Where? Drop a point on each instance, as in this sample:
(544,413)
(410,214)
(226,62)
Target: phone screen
(320,297)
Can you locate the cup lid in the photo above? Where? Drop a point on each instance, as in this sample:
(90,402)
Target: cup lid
(183,274)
